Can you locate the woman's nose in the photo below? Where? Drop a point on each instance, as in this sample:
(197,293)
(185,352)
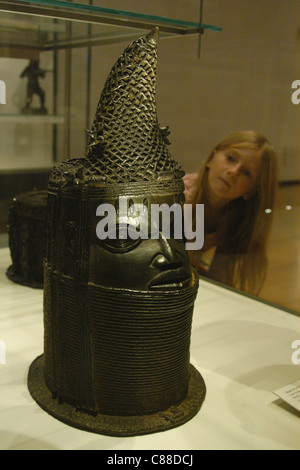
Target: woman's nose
(234,170)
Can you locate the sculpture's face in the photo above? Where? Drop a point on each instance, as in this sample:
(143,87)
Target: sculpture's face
(144,263)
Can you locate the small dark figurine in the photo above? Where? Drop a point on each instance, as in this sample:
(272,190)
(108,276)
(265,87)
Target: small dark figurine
(33,72)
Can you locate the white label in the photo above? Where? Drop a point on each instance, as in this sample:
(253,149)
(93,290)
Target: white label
(290,394)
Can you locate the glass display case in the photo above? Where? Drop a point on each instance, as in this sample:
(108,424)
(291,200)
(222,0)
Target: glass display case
(232,86)
(60,35)
(54,59)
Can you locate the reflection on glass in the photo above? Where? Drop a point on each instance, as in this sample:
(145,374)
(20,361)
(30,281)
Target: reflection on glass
(237,187)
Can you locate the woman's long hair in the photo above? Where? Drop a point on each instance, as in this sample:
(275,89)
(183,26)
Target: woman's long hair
(241,255)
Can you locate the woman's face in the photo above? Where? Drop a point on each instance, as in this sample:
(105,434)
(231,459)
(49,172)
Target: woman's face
(233,174)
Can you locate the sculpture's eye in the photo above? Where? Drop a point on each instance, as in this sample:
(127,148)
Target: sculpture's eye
(122,238)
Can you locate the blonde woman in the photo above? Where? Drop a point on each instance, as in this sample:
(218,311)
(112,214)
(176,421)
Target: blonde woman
(237,186)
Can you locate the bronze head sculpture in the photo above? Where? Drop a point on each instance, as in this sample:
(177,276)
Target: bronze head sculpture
(118,310)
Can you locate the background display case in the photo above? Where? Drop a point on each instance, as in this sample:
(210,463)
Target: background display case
(64,37)
(48,31)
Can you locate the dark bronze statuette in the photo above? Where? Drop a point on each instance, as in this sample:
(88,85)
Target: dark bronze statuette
(118,310)
(33,73)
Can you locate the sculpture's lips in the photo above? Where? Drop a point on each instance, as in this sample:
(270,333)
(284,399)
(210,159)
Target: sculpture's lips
(170,279)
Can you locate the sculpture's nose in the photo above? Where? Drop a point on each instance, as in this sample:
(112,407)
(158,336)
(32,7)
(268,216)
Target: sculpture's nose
(168,256)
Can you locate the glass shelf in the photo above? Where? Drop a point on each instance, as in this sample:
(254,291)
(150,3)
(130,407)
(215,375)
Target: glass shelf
(32,118)
(51,24)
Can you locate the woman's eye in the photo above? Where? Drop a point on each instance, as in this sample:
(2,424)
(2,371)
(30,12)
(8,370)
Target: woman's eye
(230,158)
(247,173)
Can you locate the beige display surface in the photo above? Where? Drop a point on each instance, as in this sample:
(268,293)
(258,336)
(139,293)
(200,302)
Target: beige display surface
(242,346)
